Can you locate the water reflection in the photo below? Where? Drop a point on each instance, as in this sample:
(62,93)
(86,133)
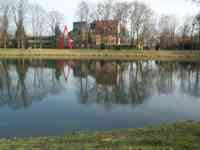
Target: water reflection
(104,83)
(108,83)
(191,78)
(135,82)
(22,82)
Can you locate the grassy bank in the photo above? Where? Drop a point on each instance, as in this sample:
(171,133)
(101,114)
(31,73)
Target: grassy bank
(178,136)
(100,55)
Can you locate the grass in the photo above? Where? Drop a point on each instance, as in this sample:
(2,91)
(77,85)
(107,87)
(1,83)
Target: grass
(178,136)
(78,54)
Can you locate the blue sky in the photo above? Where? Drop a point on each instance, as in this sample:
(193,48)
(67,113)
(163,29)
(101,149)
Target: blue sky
(68,7)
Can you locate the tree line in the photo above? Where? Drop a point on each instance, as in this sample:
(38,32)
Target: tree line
(20,18)
(144,25)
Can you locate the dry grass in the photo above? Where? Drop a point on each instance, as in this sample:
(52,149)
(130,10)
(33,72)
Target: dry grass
(52,54)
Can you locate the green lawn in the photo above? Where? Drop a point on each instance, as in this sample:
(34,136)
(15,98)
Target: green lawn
(178,136)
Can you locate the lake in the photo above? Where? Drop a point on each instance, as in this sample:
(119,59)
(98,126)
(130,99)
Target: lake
(51,98)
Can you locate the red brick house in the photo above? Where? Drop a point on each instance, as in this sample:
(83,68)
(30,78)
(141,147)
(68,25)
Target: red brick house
(106,32)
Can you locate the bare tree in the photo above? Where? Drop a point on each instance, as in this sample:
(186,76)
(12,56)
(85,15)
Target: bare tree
(104,10)
(104,13)
(83,11)
(38,23)
(196,31)
(83,32)
(19,13)
(148,35)
(5,10)
(186,30)
(140,15)
(121,12)
(55,18)
(168,29)
(196,1)
(187,26)
(57,35)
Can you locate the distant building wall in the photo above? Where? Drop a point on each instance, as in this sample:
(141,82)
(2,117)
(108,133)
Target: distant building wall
(107,32)
(41,42)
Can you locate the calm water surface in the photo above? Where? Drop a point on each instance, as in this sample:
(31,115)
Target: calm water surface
(41,98)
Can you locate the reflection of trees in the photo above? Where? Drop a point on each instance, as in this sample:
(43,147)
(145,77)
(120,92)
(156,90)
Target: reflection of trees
(5,83)
(119,89)
(106,83)
(100,82)
(83,83)
(109,83)
(140,81)
(165,83)
(13,93)
(45,80)
(189,78)
(22,96)
(20,86)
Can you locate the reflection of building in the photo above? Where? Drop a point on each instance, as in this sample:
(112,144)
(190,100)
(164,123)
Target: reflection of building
(106,73)
(80,70)
(107,84)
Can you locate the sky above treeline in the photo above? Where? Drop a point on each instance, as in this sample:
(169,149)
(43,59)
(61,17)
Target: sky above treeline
(180,8)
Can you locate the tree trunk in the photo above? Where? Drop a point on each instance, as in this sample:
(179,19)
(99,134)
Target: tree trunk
(5,42)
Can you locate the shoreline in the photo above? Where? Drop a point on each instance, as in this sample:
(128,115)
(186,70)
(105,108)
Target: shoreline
(122,55)
(176,136)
